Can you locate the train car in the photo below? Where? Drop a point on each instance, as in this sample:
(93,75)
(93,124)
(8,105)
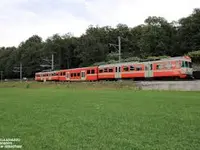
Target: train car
(174,67)
(53,76)
(41,76)
(129,70)
(38,76)
(47,76)
(79,74)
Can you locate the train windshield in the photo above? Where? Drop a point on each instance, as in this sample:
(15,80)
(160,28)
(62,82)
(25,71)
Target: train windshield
(186,64)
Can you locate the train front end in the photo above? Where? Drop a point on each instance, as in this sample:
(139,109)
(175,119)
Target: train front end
(186,69)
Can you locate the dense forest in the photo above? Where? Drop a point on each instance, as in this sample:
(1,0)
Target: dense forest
(155,38)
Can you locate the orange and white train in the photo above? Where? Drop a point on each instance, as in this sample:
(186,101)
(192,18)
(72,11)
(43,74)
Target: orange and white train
(174,67)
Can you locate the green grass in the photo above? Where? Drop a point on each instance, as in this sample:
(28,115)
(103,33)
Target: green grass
(60,118)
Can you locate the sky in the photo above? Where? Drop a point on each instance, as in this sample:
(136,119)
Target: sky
(20,19)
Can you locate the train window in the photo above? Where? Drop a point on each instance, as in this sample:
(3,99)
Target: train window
(183,64)
(118,69)
(105,70)
(159,66)
(138,68)
(132,68)
(100,71)
(168,65)
(110,70)
(190,65)
(83,74)
(126,68)
(187,64)
(146,67)
(72,74)
(92,71)
(88,71)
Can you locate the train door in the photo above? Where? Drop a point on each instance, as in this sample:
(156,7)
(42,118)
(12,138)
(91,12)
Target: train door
(148,70)
(118,72)
(67,76)
(83,76)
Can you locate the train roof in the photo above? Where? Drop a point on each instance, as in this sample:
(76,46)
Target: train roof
(54,71)
(183,58)
(79,68)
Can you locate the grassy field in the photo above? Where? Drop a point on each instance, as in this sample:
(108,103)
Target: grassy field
(60,117)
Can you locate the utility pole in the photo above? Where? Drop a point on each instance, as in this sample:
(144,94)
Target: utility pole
(20,71)
(119,40)
(119,47)
(1,76)
(52,62)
